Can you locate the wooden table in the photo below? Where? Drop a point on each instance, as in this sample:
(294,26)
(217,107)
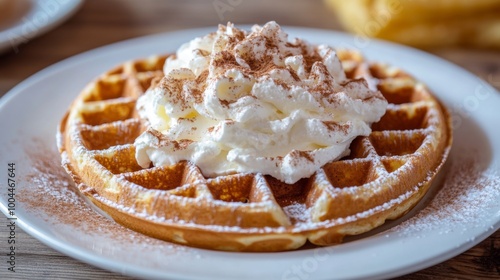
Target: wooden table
(102,22)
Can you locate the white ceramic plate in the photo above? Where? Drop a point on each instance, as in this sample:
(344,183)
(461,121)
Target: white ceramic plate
(23,20)
(463,212)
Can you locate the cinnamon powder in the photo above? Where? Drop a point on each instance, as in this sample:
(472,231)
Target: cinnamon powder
(50,194)
(464,198)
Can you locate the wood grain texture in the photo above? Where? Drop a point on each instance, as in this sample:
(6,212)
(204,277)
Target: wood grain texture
(103,22)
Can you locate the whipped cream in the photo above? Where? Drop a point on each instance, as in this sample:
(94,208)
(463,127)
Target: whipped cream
(254,102)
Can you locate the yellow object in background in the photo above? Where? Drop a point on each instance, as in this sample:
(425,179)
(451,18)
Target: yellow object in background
(423,23)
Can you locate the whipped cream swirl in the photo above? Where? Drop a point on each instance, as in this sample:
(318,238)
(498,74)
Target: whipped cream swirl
(254,102)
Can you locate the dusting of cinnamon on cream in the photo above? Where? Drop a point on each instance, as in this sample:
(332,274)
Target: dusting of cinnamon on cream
(236,101)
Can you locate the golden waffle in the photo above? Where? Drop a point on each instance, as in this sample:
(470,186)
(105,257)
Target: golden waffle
(386,174)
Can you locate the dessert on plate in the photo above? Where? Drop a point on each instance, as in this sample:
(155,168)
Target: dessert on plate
(251,141)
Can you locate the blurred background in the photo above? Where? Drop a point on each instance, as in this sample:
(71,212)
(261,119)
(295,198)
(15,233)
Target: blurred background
(37,33)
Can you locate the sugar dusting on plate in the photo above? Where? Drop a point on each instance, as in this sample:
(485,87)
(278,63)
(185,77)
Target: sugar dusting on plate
(467,196)
(50,193)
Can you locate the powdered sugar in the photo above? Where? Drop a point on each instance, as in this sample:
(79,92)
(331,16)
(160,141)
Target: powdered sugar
(467,196)
(298,212)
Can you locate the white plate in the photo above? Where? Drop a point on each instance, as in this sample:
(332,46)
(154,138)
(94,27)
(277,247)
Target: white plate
(23,20)
(459,217)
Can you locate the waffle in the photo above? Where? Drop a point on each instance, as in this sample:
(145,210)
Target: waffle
(384,176)
(5,7)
